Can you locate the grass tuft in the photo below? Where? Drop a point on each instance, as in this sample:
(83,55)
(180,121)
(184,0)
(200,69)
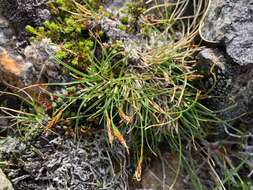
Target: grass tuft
(141,101)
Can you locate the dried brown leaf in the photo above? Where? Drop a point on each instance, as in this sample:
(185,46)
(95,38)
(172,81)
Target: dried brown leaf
(138,170)
(194,77)
(109,129)
(156,106)
(124,117)
(117,134)
(55,119)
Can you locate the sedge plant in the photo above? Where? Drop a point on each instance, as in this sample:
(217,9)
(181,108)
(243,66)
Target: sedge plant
(141,102)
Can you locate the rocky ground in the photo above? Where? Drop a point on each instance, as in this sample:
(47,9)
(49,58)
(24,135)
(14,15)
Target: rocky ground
(55,162)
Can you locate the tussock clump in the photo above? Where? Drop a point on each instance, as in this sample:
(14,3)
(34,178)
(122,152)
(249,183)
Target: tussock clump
(140,100)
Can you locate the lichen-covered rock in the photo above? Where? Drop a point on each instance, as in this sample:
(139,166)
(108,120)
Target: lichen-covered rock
(233,98)
(23,12)
(232,85)
(220,70)
(223,77)
(41,55)
(13,69)
(11,145)
(6,32)
(52,162)
(116,3)
(230,22)
(36,66)
(242,95)
(5,184)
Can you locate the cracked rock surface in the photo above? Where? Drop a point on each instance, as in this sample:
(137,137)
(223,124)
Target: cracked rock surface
(230,22)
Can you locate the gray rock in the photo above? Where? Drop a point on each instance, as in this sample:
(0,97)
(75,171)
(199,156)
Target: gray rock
(242,95)
(3,122)
(215,62)
(13,68)
(5,184)
(6,32)
(34,64)
(233,97)
(45,66)
(10,146)
(38,65)
(23,12)
(232,85)
(219,73)
(116,3)
(7,38)
(230,22)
